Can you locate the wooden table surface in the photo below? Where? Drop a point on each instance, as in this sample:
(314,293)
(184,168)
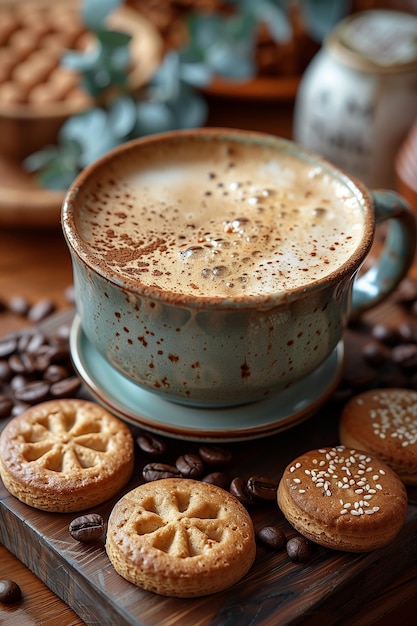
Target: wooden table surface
(35,263)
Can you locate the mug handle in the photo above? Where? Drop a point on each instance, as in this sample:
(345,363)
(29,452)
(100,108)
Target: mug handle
(396,256)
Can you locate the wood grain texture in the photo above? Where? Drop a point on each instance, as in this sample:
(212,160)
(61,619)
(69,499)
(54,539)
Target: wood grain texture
(276,591)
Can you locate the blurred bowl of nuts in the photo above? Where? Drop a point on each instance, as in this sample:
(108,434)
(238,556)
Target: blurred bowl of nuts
(37,92)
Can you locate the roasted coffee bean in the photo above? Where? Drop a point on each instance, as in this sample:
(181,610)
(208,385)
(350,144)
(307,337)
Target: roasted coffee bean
(5,371)
(299,549)
(272,537)
(40,310)
(9,591)
(405,355)
(34,392)
(23,363)
(263,488)
(406,292)
(6,406)
(19,305)
(386,334)
(18,408)
(408,332)
(217,478)
(18,381)
(151,445)
(8,346)
(394,378)
(239,488)
(54,373)
(190,465)
(30,342)
(87,528)
(155,471)
(375,353)
(65,388)
(213,455)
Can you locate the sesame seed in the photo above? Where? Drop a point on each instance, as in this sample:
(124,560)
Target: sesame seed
(301,491)
(297,480)
(343,511)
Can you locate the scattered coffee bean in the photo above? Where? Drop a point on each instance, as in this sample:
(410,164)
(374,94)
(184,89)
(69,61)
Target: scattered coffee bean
(40,310)
(5,371)
(190,465)
(55,373)
(7,346)
(35,366)
(65,388)
(213,455)
(87,528)
(386,334)
(408,332)
(272,537)
(6,406)
(19,305)
(217,478)
(375,353)
(150,444)
(9,591)
(155,471)
(239,488)
(405,355)
(299,549)
(33,392)
(406,292)
(263,488)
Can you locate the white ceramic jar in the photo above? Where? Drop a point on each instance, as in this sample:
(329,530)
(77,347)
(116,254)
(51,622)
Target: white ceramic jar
(358,97)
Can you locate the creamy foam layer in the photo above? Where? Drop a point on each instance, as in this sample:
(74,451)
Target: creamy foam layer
(212,219)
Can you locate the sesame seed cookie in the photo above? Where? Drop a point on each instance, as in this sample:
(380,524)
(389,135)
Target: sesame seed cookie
(383,422)
(65,455)
(180,537)
(343,499)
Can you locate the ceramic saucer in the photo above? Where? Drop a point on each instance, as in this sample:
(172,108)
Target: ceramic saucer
(147,410)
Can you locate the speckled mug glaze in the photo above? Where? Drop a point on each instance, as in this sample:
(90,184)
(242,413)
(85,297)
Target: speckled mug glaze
(219,351)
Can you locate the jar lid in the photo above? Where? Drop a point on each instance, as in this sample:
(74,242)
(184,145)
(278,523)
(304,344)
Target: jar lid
(378,41)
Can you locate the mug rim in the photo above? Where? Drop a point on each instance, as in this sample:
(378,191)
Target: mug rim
(81,250)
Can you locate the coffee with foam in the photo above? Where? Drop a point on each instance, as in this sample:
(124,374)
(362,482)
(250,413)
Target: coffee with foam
(209,218)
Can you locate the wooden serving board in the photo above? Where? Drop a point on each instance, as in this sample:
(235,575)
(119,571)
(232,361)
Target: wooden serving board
(275,591)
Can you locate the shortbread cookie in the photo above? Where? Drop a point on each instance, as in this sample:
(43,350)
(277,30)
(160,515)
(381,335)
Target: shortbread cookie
(384,423)
(180,537)
(343,499)
(65,455)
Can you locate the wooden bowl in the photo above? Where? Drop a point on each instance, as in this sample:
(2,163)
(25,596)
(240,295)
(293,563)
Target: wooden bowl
(37,95)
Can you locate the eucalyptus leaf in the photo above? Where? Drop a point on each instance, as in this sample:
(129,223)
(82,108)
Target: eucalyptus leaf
(94,12)
(275,16)
(81,61)
(40,159)
(122,116)
(153,117)
(57,178)
(190,110)
(112,38)
(320,16)
(196,74)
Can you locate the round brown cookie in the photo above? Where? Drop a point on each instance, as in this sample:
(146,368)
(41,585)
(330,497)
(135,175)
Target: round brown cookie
(180,537)
(384,423)
(343,499)
(65,455)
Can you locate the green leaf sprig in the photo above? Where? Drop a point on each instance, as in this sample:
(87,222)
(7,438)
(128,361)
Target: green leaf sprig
(218,45)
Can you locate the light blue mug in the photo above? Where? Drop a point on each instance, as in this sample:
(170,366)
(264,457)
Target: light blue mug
(212,349)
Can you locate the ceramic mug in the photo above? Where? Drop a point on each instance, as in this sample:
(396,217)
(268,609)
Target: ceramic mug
(217,266)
